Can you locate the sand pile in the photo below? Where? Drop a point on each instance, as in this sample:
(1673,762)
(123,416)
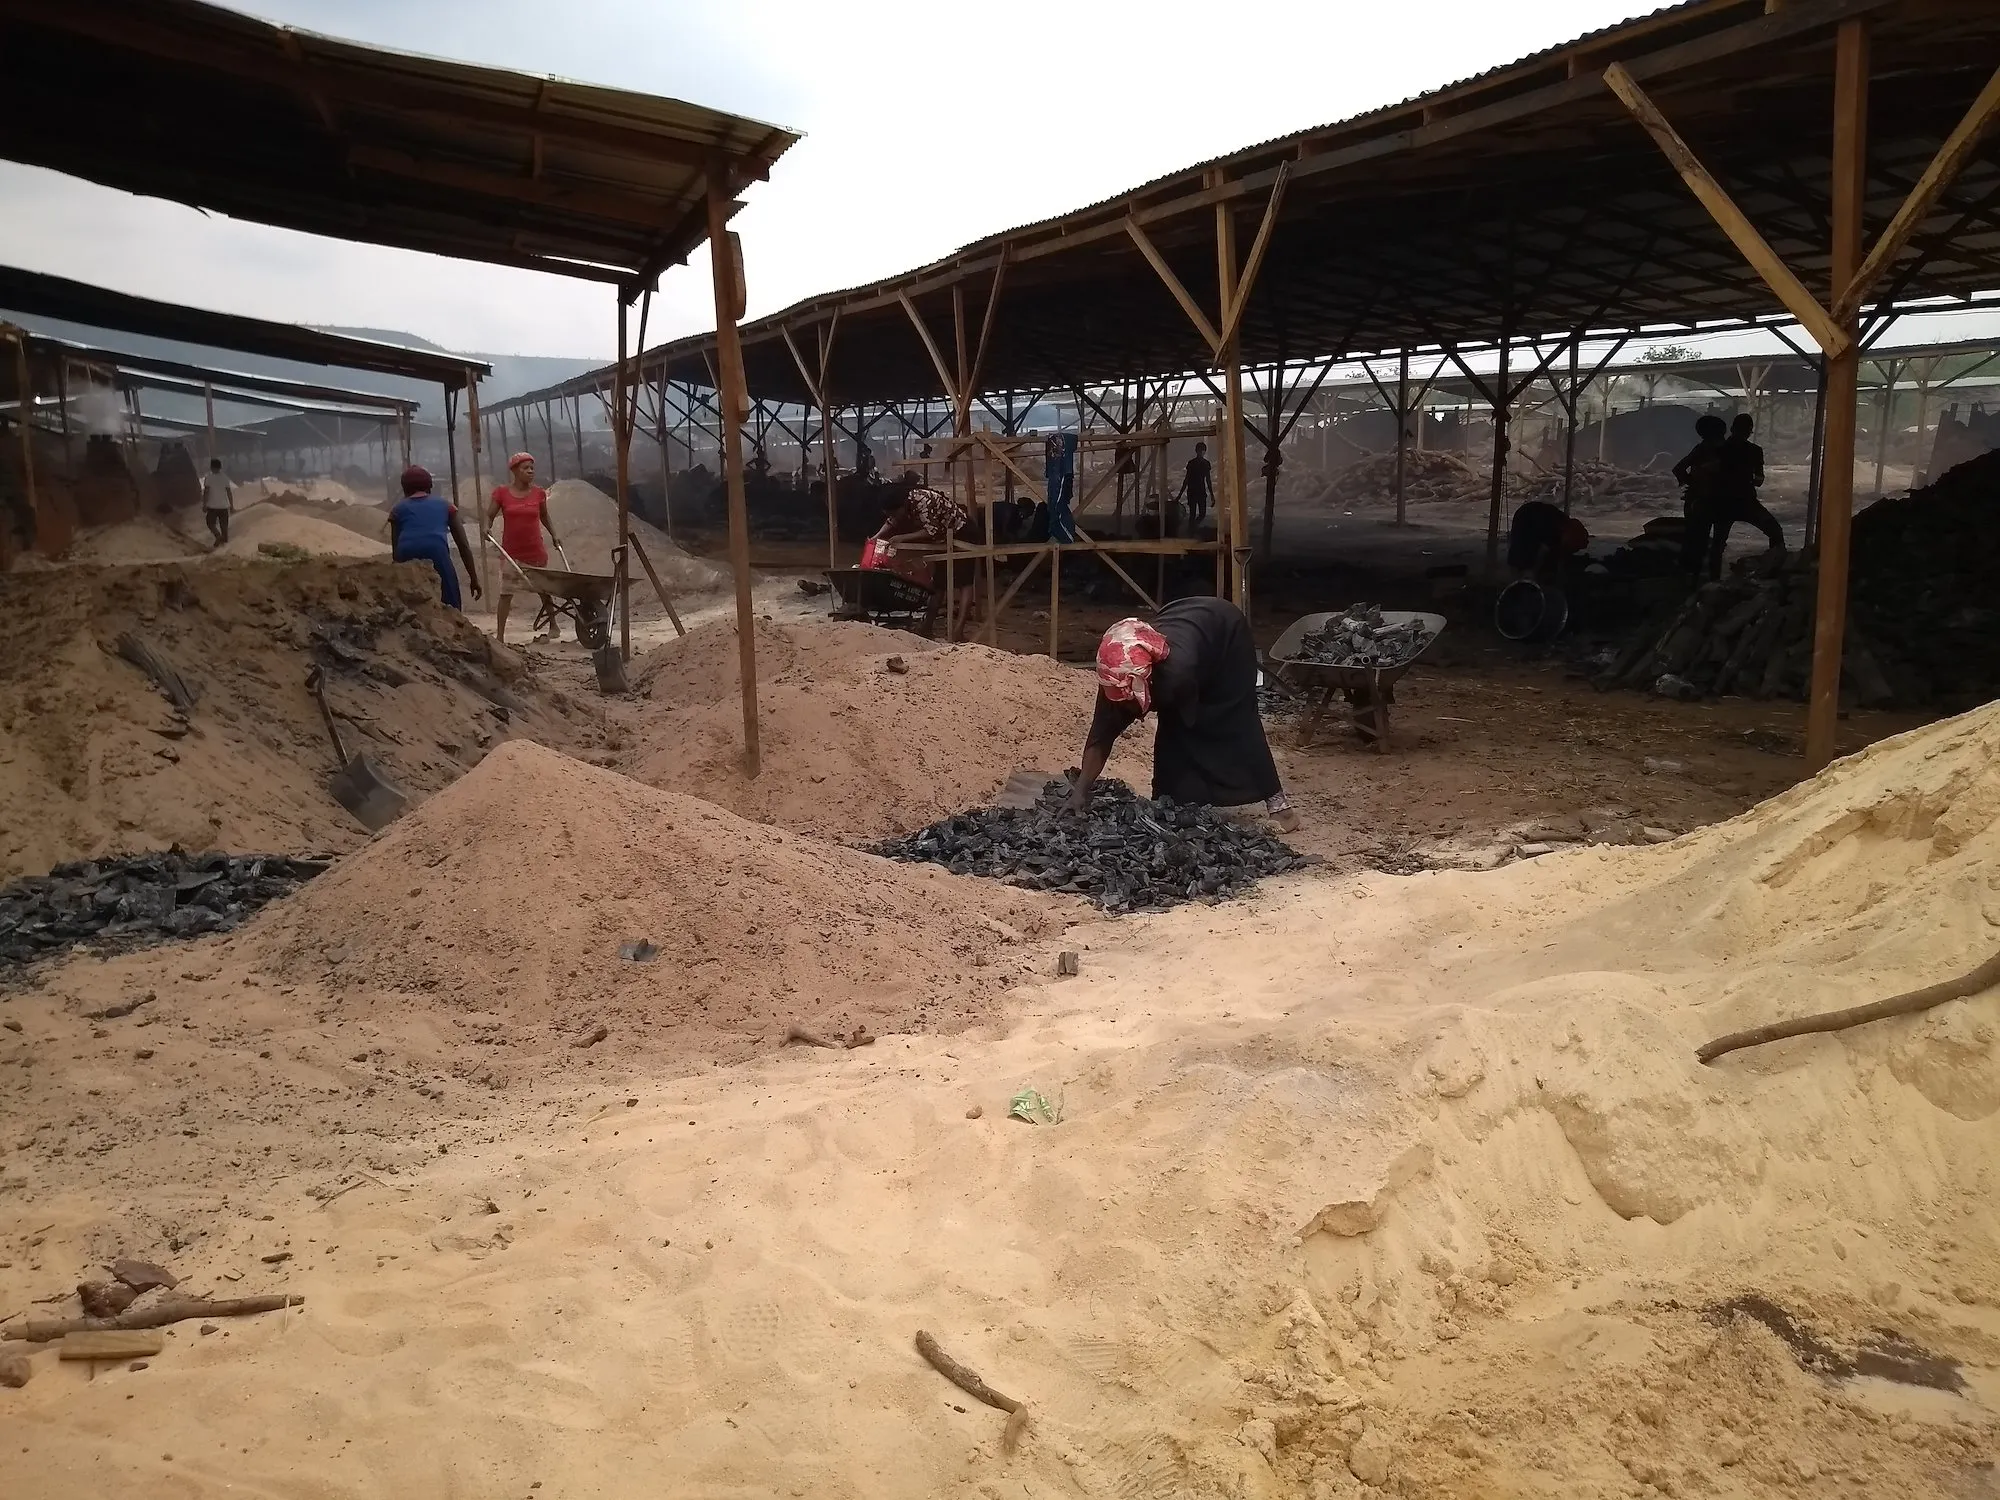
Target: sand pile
(1368,1187)
(140,540)
(852,750)
(363,518)
(95,760)
(252,528)
(512,892)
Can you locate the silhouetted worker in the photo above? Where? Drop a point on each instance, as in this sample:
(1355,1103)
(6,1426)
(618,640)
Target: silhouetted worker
(1197,486)
(1698,475)
(1541,538)
(1739,474)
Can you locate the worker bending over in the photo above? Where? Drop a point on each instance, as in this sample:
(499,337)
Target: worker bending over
(1195,665)
(1540,539)
(421,529)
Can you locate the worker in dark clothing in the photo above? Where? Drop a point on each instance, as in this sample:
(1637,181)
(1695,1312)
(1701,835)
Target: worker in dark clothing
(1739,474)
(1697,475)
(1541,538)
(1196,666)
(1197,486)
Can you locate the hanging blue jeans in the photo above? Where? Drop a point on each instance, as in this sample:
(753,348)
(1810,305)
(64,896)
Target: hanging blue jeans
(1059,474)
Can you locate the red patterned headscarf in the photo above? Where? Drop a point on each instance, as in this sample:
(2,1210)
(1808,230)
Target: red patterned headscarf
(1125,659)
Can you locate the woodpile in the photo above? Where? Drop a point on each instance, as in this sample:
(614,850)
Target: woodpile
(1921,629)
(1426,477)
(1596,480)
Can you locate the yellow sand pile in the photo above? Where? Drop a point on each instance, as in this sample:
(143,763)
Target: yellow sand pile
(852,750)
(1355,1188)
(251,528)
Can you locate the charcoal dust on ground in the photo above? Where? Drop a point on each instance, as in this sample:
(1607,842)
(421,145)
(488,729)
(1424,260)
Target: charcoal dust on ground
(134,901)
(1129,854)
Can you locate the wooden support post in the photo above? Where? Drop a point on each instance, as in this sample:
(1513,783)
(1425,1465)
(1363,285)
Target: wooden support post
(479,505)
(62,416)
(1233,514)
(549,436)
(1843,368)
(621,452)
(1055,603)
(1890,369)
(735,400)
(576,427)
(451,446)
(1569,426)
(1501,403)
(24,414)
(666,464)
(208,403)
(1402,433)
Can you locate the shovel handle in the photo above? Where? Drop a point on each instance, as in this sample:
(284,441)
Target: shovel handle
(316,685)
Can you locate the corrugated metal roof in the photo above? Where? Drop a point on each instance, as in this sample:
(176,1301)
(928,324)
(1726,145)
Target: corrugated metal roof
(185,100)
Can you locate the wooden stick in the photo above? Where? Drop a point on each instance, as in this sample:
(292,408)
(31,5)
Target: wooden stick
(658,587)
(158,1315)
(977,1389)
(1173,284)
(1984,977)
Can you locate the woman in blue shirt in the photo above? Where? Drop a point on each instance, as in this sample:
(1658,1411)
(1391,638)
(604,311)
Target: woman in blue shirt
(422,526)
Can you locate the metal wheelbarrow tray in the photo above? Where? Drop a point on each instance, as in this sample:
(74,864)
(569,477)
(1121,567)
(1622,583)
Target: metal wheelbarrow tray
(584,597)
(877,594)
(1369,690)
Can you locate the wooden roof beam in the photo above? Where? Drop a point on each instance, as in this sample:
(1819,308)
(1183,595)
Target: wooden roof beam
(1938,176)
(1728,217)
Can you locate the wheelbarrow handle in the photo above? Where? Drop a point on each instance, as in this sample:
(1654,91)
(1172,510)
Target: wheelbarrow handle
(565,558)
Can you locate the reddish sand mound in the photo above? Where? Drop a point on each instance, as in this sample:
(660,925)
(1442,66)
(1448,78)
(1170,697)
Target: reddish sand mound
(850,749)
(95,760)
(511,892)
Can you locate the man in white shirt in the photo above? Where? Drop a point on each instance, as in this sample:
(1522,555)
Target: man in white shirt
(216,502)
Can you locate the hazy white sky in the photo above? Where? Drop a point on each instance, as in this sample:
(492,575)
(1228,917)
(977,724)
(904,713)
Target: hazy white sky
(926,126)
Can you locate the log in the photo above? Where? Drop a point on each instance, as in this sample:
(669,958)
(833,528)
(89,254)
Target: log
(1909,1003)
(977,1389)
(157,1315)
(116,1343)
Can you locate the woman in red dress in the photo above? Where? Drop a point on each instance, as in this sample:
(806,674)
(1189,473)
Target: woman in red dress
(523,506)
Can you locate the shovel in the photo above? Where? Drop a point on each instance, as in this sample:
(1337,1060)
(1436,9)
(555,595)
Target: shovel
(375,801)
(1024,789)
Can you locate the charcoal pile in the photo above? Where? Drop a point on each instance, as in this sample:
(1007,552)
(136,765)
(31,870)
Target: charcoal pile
(1360,637)
(1426,477)
(1130,854)
(1922,628)
(133,902)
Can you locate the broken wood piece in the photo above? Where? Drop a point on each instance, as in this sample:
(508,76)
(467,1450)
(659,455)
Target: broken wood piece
(977,1389)
(1965,985)
(119,1343)
(148,658)
(157,1315)
(143,1275)
(855,1038)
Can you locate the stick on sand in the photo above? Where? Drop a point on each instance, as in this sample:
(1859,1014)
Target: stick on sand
(159,1315)
(977,1389)
(1984,977)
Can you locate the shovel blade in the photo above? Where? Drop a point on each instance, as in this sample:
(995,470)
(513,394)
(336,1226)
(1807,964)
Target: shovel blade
(1023,789)
(371,797)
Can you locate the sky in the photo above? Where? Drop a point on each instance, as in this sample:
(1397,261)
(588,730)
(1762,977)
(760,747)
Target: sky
(926,127)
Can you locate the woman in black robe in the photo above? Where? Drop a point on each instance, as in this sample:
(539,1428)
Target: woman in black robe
(1195,665)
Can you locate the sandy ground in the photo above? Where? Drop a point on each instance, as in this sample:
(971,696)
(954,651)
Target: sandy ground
(94,759)
(1362,1183)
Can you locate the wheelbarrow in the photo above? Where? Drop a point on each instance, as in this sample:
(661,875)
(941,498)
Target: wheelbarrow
(1369,691)
(878,596)
(583,598)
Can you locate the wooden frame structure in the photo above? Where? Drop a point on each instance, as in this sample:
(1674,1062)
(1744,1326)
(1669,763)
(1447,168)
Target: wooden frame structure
(362,143)
(1519,211)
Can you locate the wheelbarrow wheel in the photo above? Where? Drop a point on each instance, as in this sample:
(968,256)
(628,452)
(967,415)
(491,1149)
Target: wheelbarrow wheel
(593,631)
